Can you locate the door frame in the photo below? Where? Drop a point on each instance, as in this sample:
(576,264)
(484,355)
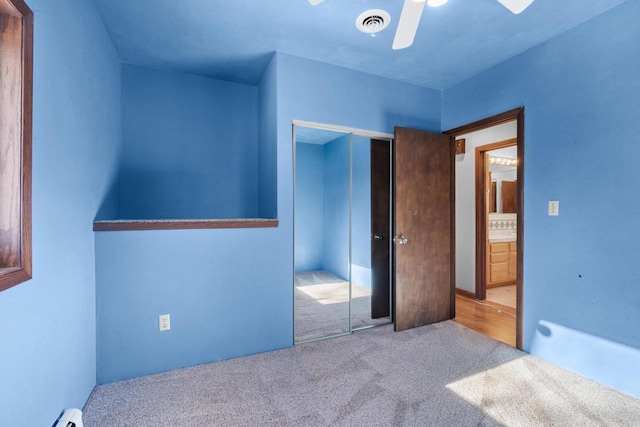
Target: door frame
(508,116)
(481,213)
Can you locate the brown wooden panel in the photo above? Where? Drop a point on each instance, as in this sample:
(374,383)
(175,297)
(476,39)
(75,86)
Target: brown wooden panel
(488,318)
(499,267)
(424,200)
(16,97)
(488,122)
(509,197)
(187,224)
(499,257)
(15,8)
(499,247)
(10,140)
(499,272)
(380,228)
(493,200)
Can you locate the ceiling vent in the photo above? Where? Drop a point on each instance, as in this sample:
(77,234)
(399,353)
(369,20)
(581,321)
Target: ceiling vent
(373,21)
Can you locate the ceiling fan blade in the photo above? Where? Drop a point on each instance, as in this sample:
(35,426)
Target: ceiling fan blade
(516,6)
(408,24)
(315,2)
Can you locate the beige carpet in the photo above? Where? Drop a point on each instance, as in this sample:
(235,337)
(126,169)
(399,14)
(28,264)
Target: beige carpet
(438,375)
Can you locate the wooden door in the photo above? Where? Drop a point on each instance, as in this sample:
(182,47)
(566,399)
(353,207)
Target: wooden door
(424,228)
(380,228)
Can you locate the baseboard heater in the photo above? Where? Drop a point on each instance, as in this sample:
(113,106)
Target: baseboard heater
(70,418)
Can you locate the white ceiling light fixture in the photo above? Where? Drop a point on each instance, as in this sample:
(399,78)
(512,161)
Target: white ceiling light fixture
(435,3)
(516,6)
(502,161)
(373,21)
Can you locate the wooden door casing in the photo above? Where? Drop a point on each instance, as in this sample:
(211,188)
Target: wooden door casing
(516,114)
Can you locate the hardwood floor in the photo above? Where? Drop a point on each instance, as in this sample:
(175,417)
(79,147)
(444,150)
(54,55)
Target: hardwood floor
(491,319)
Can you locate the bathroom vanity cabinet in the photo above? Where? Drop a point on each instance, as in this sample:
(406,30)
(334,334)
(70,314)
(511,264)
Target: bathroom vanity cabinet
(502,264)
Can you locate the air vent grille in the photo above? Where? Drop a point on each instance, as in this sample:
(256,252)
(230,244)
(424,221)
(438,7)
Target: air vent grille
(373,21)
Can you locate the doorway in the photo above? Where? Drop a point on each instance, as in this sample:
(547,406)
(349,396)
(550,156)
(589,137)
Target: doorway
(473,261)
(342,230)
(496,213)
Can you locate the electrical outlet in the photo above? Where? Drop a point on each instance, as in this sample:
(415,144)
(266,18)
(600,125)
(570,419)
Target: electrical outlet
(554,208)
(164,322)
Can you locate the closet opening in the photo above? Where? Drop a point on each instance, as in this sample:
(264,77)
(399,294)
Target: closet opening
(342,230)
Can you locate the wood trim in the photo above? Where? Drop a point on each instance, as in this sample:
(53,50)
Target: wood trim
(487,319)
(498,119)
(500,284)
(496,305)
(20,273)
(520,225)
(500,144)
(27,132)
(15,8)
(186,224)
(465,293)
(481,221)
(518,115)
(452,224)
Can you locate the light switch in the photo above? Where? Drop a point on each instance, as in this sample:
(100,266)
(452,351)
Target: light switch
(554,208)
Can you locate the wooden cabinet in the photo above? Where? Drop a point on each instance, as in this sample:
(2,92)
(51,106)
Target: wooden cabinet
(501,264)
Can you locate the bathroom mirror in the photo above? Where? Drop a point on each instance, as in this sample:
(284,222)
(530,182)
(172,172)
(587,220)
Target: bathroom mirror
(503,177)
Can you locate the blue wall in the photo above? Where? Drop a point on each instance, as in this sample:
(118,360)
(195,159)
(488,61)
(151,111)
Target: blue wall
(47,325)
(309,206)
(346,98)
(580,92)
(222,288)
(190,146)
(230,292)
(335,210)
(267,143)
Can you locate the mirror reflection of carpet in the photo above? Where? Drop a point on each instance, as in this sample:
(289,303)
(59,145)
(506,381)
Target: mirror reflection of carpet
(322,306)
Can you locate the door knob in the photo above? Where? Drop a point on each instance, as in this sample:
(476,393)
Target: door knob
(401,240)
(378,237)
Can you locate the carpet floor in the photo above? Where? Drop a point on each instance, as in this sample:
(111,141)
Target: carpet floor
(321,307)
(437,375)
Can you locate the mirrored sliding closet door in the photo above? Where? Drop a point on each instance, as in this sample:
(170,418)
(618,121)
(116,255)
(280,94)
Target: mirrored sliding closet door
(342,238)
